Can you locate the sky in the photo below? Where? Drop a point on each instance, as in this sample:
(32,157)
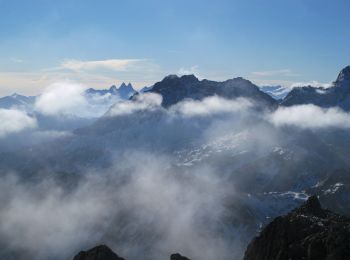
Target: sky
(103,42)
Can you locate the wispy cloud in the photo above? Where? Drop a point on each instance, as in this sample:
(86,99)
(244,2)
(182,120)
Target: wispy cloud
(310,117)
(16,60)
(13,121)
(269,73)
(187,71)
(312,83)
(111,64)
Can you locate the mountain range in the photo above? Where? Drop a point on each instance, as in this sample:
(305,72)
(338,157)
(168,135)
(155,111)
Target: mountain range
(168,176)
(337,95)
(174,89)
(124,92)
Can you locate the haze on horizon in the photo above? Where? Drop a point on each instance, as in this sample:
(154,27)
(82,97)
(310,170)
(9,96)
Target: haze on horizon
(100,43)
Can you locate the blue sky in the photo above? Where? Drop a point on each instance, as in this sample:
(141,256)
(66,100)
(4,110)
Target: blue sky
(104,42)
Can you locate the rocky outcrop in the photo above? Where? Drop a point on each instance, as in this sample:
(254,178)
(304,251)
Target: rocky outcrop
(336,95)
(178,257)
(308,232)
(101,252)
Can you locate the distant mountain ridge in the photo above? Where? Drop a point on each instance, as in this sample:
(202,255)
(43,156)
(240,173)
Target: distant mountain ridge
(174,89)
(124,91)
(17,101)
(277,92)
(336,95)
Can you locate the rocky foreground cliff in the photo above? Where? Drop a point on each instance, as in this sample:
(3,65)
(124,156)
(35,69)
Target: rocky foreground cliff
(308,232)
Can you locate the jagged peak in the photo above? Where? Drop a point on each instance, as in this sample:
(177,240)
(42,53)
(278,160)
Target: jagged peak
(171,76)
(177,256)
(113,88)
(312,206)
(123,85)
(189,77)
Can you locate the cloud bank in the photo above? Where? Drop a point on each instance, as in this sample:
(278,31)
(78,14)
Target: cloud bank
(14,121)
(310,117)
(68,99)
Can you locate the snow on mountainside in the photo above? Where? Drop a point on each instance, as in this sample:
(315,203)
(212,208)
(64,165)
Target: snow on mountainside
(276,92)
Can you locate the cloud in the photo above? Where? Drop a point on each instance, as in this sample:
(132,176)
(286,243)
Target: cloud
(312,83)
(112,64)
(268,73)
(13,121)
(187,71)
(61,98)
(68,98)
(310,117)
(210,106)
(16,60)
(144,101)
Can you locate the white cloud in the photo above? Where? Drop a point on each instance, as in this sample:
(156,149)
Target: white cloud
(187,71)
(211,105)
(268,73)
(13,121)
(310,117)
(111,64)
(61,98)
(312,83)
(68,98)
(145,101)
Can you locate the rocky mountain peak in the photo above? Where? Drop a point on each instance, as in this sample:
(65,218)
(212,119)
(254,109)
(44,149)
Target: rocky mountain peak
(101,252)
(344,75)
(311,207)
(308,232)
(178,257)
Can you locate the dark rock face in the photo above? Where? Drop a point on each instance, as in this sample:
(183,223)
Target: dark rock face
(178,257)
(175,89)
(308,232)
(337,95)
(101,252)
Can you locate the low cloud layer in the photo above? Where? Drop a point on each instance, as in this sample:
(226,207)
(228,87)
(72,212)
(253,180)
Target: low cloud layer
(310,117)
(211,106)
(14,121)
(68,98)
(141,208)
(312,83)
(61,98)
(145,101)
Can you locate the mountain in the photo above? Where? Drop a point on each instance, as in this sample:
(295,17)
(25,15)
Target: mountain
(17,101)
(103,252)
(175,89)
(276,92)
(145,89)
(308,232)
(124,91)
(336,95)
